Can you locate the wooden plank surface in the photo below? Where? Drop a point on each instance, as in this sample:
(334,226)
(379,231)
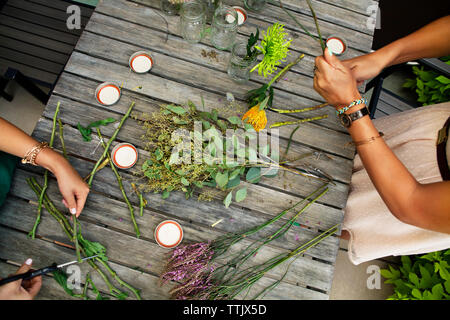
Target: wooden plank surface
(31,17)
(117,29)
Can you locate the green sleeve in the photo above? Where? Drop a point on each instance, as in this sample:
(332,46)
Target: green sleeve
(7,165)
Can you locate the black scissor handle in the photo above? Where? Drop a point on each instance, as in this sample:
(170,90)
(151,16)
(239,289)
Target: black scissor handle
(30,274)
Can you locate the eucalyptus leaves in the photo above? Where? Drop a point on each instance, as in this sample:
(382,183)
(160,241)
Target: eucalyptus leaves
(195,151)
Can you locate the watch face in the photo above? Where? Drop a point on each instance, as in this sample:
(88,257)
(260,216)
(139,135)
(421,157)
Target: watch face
(345,120)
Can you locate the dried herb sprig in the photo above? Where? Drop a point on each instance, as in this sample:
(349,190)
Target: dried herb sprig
(165,170)
(244,280)
(192,265)
(32,233)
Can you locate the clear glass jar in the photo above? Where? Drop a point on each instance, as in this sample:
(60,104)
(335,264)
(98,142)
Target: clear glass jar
(211,6)
(224,28)
(170,7)
(255,5)
(239,67)
(192,21)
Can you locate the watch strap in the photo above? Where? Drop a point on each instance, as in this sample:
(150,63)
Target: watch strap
(359,114)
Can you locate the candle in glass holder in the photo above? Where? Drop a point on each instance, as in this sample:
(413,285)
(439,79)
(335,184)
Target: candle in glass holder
(168,234)
(336,45)
(124,155)
(107,93)
(242,15)
(141,62)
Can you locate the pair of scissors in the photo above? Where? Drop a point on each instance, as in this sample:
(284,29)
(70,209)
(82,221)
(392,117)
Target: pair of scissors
(35,273)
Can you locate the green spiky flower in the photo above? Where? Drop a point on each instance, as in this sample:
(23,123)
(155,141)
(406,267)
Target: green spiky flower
(275,48)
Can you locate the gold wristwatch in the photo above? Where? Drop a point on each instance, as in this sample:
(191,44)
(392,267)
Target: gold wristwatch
(348,119)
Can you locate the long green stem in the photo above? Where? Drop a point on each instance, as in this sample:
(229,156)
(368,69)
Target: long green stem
(113,137)
(287,123)
(32,233)
(285,69)
(49,209)
(75,238)
(289,143)
(299,110)
(69,232)
(122,189)
(119,280)
(61,138)
(322,44)
(295,20)
(319,38)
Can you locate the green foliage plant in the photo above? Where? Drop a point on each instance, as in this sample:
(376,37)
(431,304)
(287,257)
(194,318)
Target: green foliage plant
(425,277)
(430,86)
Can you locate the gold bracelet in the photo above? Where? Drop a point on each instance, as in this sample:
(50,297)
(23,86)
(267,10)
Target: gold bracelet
(372,139)
(31,155)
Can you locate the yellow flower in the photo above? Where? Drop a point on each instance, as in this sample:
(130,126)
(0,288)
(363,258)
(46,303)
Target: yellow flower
(257,118)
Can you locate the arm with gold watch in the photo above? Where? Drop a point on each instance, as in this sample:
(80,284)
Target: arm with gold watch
(423,205)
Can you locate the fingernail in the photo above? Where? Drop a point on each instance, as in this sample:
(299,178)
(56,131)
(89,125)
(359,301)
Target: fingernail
(73,211)
(29,261)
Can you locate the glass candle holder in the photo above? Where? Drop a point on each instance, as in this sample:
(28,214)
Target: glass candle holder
(170,7)
(239,67)
(192,21)
(211,6)
(255,5)
(224,28)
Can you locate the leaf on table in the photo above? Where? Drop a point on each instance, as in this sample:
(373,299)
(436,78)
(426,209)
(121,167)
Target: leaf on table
(86,131)
(253,175)
(241,194)
(227,200)
(176,109)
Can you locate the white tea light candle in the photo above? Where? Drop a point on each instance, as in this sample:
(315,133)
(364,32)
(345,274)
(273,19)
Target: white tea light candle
(141,62)
(336,45)
(107,93)
(124,155)
(168,234)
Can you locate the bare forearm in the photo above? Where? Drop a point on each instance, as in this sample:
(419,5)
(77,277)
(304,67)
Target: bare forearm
(430,41)
(423,205)
(392,180)
(18,143)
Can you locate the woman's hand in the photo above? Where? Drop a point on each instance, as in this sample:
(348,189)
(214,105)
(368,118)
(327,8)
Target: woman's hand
(334,81)
(367,66)
(22,289)
(72,187)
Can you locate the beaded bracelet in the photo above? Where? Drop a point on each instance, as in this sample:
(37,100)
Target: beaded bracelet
(354,103)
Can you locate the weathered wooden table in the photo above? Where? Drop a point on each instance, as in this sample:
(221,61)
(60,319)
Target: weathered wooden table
(182,72)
